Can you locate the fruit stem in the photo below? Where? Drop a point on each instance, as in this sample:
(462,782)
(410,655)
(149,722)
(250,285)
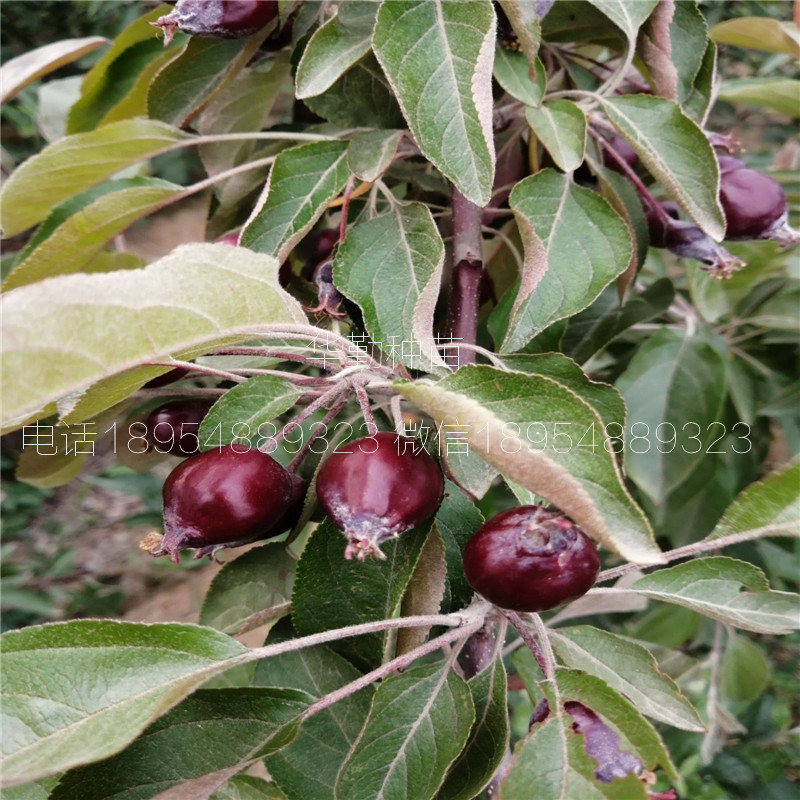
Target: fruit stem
(643,191)
(192,367)
(401,662)
(324,399)
(321,363)
(321,428)
(366,411)
(547,650)
(348,190)
(522,629)
(693,549)
(462,320)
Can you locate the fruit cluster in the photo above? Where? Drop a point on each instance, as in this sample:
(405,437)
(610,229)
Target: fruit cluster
(373,489)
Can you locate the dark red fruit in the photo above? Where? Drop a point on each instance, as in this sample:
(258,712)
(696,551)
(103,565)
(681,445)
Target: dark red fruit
(624,151)
(685,239)
(530,559)
(229,238)
(317,248)
(224,498)
(327,294)
(172,428)
(376,488)
(229,19)
(754,206)
(730,164)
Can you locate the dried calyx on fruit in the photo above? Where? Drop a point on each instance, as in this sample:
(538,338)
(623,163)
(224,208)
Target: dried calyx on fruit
(329,299)
(685,239)
(225,498)
(172,428)
(530,558)
(376,488)
(754,204)
(229,19)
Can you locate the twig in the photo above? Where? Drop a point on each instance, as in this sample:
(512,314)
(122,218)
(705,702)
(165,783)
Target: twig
(326,397)
(397,663)
(191,366)
(366,411)
(522,629)
(322,426)
(348,190)
(697,547)
(707,747)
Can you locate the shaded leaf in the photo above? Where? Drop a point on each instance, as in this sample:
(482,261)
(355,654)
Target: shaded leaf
(330,592)
(488,739)
(745,670)
(759,33)
(230,729)
(335,47)
(255,581)
(371,153)
(324,738)
(248,787)
(774,94)
(627,16)
(513,73)
(674,388)
(418,724)
(438,59)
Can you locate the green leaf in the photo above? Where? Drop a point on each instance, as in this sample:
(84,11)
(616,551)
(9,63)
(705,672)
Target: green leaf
(252,583)
(77,162)
(371,153)
(360,98)
(627,16)
(196,746)
(623,198)
(488,740)
(18,72)
(513,73)
(438,59)
(588,333)
(630,669)
(561,127)
(76,692)
(77,240)
(244,106)
(769,507)
(759,33)
(713,587)
(456,520)
(37,790)
(503,416)
(604,399)
(524,19)
(326,737)
(302,182)
(676,151)
(745,670)
(418,724)
(467,468)
(391,266)
(674,388)
(186,85)
(108,82)
(335,47)
(562,273)
(248,787)
(330,592)
(774,94)
(700,98)
(243,410)
(688,42)
(171,308)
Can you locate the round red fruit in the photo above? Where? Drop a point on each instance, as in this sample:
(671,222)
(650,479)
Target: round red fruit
(530,559)
(224,497)
(753,203)
(229,19)
(376,488)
